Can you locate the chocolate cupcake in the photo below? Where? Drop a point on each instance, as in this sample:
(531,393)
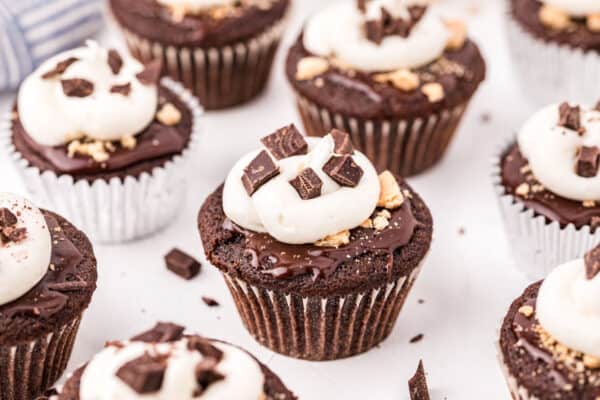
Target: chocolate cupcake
(318,251)
(549,343)
(165,364)
(97,138)
(47,278)
(555,46)
(547,181)
(396,77)
(222,50)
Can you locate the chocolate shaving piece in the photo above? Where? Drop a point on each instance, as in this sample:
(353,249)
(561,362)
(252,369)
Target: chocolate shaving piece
(60,68)
(342,142)
(182,264)
(151,73)
(285,142)
(206,375)
(77,87)
(115,62)
(258,172)
(570,117)
(592,262)
(200,344)
(416,338)
(417,385)
(7,218)
(587,162)
(145,374)
(307,184)
(162,332)
(343,170)
(124,89)
(210,301)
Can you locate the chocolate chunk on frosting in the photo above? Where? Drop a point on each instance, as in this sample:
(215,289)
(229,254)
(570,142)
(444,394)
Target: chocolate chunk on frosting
(592,262)
(161,333)
(307,184)
(115,62)
(343,170)
(7,218)
(151,73)
(77,87)
(285,142)
(60,68)
(570,117)
(417,385)
(587,161)
(206,375)
(342,144)
(388,25)
(123,89)
(258,172)
(144,374)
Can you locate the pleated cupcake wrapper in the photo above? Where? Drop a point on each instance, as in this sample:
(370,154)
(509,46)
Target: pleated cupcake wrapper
(404,146)
(220,76)
(317,328)
(517,391)
(30,368)
(538,245)
(549,72)
(118,210)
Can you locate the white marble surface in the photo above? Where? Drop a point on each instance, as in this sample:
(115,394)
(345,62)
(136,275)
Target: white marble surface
(467,283)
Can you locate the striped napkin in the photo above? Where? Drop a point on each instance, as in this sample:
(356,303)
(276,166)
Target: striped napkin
(33,30)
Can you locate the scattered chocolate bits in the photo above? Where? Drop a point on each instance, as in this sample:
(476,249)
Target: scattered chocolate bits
(77,87)
(307,184)
(200,344)
(162,332)
(592,262)
(182,264)
(587,162)
(9,233)
(416,338)
(7,218)
(124,89)
(417,385)
(206,375)
(285,142)
(145,374)
(210,301)
(570,117)
(342,142)
(387,25)
(343,170)
(60,68)
(115,62)
(258,172)
(151,73)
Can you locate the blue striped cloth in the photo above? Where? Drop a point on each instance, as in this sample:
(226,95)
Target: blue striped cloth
(33,30)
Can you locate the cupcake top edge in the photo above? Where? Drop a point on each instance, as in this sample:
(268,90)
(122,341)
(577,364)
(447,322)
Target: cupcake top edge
(216,9)
(575,8)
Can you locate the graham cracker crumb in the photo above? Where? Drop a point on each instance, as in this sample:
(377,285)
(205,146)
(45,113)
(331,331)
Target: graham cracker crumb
(589,203)
(168,115)
(95,149)
(402,79)
(390,196)
(434,91)
(380,223)
(458,34)
(593,22)
(526,311)
(336,240)
(311,67)
(525,169)
(128,142)
(368,223)
(554,18)
(591,362)
(522,189)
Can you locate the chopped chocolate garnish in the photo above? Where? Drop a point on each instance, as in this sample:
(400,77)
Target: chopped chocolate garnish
(307,184)
(416,338)
(417,385)
(182,264)
(210,301)
(77,87)
(124,89)
(151,73)
(570,117)
(161,333)
(258,172)
(197,343)
(362,5)
(115,62)
(285,142)
(592,262)
(60,68)
(374,30)
(587,162)
(342,142)
(145,374)
(206,375)
(7,218)
(416,13)
(388,25)
(12,234)
(343,170)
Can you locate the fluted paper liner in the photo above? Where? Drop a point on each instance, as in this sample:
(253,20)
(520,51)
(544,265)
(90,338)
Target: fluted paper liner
(404,146)
(28,369)
(538,244)
(317,328)
(120,209)
(551,72)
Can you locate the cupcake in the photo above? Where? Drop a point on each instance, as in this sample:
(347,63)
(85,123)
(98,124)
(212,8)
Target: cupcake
(47,278)
(548,184)
(318,251)
(97,138)
(222,50)
(390,72)
(166,364)
(555,46)
(549,345)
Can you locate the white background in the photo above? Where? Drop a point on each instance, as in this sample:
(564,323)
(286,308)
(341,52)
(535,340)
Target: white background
(467,283)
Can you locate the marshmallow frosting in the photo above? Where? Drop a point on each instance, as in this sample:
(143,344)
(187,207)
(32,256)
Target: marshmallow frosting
(575,8)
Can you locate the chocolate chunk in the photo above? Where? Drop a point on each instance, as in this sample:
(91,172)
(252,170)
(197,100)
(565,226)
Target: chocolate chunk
(374,31)
(210,301)
(570,117)
(77,87)
(12,234)
(162,332)
(343,170)
(7,218)
(124,89)
(182,264)
(151,73)
(115,62)
(200,344)
(388,25)
(258,172)
(587,162)
(416,13)
(342,142)
(362,5)
(307,184)
(145,374)
(285,142)
(417,385)
(592,262)
(206,375)
(60,68)
(416,338)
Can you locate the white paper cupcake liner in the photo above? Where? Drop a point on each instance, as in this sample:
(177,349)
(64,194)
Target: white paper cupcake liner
(550,72)
(538,244)
(117,210)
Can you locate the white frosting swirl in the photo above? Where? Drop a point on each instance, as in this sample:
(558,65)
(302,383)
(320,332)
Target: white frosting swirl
(244,379)
(576,8)
(197,5)
(568,307)
(552,152)
(23,264)
(277,208)
(338,30)
(51,118)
